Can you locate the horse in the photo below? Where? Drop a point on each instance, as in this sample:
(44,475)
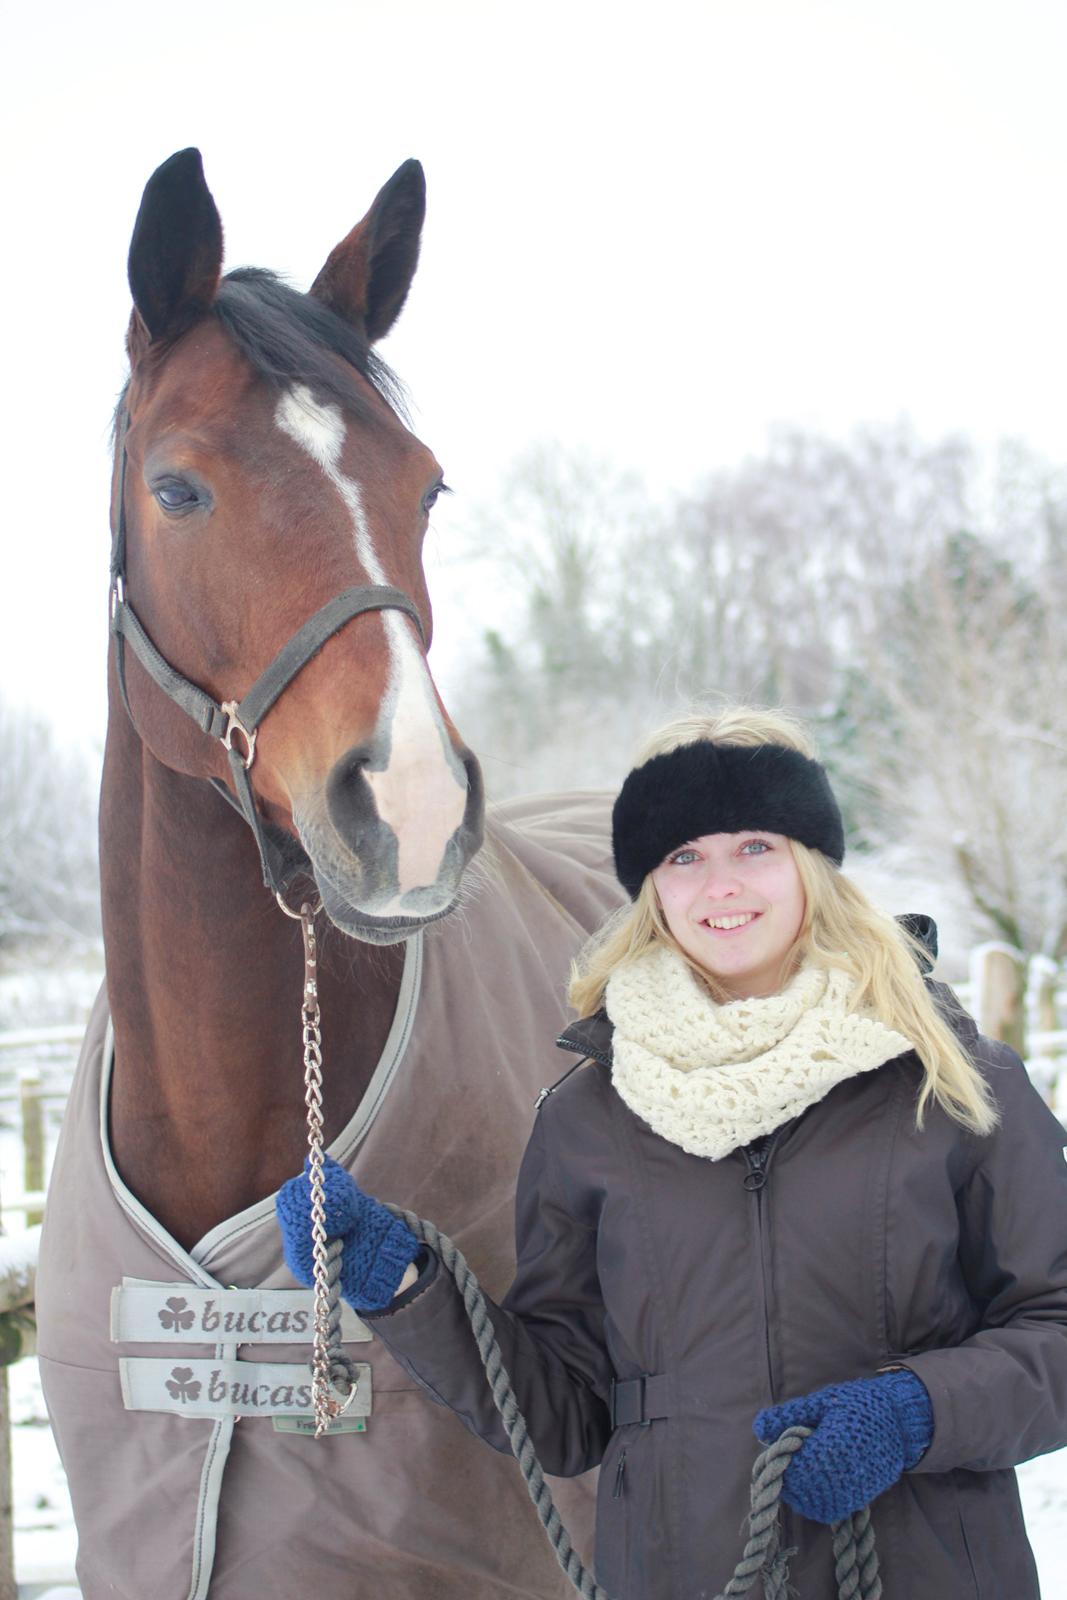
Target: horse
(272,720)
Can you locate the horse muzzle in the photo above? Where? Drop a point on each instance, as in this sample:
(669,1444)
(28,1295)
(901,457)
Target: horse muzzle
(382,878)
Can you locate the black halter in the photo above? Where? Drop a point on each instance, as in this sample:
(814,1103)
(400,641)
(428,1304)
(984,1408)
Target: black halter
(283,859)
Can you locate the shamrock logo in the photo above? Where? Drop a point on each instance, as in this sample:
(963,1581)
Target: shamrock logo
(181,1387)
(177,1315)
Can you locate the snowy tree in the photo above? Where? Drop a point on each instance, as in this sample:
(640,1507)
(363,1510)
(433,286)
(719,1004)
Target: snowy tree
(905,597)
(48,871)
(974,672)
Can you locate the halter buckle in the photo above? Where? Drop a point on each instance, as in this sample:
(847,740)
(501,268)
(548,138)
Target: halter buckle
(118,594)
(235,725)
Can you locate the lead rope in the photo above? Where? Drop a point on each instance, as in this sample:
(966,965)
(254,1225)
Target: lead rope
(856,1562)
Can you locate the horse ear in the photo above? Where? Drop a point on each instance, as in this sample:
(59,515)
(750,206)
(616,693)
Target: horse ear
(176,250)
(367,277)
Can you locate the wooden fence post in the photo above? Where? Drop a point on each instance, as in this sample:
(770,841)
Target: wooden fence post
(8,1589)
(1045,1053)
(31,1105)
(998,981)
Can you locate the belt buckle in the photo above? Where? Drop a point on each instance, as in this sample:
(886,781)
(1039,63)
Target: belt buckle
(633,1415)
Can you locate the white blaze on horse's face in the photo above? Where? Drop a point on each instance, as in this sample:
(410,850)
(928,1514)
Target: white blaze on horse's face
(421,791)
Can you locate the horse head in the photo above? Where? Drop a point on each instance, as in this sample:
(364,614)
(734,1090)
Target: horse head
(264,468)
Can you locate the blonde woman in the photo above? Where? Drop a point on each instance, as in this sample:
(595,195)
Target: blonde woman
(785,1182)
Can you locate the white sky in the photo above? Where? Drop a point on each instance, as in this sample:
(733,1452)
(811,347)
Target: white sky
(653,229)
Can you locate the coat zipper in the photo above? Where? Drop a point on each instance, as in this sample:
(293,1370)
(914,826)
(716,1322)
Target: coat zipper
(586,1051)
(620,1473)
(586,1054)
(758,1167)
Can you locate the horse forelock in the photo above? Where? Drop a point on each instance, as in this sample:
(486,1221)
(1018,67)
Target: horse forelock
(288,339)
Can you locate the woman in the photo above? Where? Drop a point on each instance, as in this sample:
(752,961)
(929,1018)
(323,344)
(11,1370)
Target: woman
(786,1182)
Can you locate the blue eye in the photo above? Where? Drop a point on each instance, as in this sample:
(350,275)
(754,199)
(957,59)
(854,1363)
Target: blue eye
(755,847)
(682,858)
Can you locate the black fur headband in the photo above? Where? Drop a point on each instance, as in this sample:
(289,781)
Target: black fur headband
(721,788)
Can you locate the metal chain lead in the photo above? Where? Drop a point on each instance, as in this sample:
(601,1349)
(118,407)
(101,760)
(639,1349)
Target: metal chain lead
(331,1372)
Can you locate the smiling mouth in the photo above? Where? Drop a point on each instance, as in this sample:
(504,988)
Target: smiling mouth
(732,924)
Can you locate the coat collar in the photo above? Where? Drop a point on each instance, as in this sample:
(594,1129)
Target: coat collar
(590,1036)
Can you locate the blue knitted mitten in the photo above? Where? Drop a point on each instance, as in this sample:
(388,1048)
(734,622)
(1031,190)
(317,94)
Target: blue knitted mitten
(377,1246)
(865,1434)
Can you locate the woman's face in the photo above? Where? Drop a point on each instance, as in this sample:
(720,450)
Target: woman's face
(734,902)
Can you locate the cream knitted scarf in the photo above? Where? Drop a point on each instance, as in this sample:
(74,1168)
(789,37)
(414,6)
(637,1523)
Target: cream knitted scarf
(711,1078)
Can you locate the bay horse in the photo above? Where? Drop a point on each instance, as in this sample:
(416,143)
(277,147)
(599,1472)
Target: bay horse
(268,509)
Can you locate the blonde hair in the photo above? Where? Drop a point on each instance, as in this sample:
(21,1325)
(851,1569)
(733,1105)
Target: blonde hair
(840,928)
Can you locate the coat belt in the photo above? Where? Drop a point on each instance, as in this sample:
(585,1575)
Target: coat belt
(639,1400)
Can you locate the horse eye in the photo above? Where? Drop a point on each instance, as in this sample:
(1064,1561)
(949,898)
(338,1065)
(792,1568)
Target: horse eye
(431,499)
(176,495)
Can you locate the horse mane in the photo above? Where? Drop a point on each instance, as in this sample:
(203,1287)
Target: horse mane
(288,337)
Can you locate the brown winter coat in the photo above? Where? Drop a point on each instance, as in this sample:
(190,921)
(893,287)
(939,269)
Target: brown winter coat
(863,1242)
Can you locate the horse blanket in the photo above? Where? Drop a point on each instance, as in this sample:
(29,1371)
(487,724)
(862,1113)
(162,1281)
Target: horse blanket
(177,1382)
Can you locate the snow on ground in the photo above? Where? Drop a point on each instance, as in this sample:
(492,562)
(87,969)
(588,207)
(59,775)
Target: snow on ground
(1044,1490)
(45,1541)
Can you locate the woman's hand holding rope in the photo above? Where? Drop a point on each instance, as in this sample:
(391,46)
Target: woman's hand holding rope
(864,1435)
(377,1248)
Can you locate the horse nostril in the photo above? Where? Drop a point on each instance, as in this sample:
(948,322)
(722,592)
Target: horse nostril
(472,767)
(474,813)
(349,801)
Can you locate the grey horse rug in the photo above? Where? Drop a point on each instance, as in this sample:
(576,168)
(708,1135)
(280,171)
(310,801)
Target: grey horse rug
(178,1383)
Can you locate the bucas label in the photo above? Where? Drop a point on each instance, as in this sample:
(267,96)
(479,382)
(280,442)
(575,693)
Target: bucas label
(185,1313)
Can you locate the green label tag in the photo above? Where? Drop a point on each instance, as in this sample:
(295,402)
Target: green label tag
(307,1425)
